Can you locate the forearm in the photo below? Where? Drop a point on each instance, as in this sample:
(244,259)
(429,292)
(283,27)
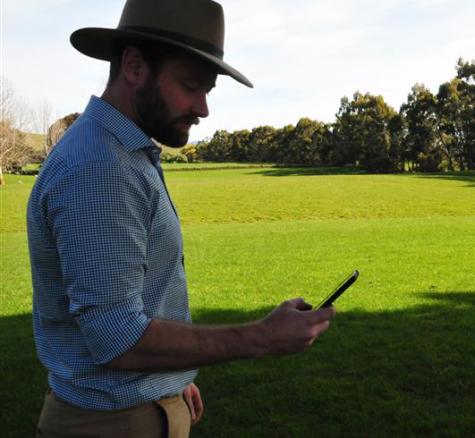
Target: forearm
(169,345)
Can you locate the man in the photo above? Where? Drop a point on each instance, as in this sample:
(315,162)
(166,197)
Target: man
(110,308)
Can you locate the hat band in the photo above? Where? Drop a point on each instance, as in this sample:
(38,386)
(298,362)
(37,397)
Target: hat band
(178,37)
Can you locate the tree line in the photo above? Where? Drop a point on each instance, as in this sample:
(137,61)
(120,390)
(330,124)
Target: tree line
(431,132)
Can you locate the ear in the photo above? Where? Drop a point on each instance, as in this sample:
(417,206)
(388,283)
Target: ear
(134,67)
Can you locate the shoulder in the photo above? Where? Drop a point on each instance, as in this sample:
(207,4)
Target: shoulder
(89,157)
(85,141)
(85,145)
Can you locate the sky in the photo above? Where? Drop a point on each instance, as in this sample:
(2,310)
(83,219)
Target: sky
(302,56)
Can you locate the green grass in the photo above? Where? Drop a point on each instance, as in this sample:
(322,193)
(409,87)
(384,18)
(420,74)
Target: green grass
(213,166)
(399,359)
(31,167)
(13,198)
(264,195)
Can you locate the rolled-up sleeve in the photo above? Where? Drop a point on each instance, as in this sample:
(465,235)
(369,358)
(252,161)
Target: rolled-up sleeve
(99,215)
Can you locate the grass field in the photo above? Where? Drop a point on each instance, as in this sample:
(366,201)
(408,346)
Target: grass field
(213,166)
(399,359)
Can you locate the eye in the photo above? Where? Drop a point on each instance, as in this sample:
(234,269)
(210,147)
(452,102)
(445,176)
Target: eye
(190,86)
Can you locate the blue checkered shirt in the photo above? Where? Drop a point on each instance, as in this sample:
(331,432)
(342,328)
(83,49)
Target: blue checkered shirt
(106,257)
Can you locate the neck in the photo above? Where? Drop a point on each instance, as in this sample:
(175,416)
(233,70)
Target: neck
(121,99)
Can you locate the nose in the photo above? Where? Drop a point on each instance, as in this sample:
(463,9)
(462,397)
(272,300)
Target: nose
(200,106)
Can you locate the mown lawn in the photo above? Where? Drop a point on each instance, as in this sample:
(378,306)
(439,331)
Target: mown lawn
(399,359)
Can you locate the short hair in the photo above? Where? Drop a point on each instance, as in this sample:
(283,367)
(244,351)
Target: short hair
(154,55)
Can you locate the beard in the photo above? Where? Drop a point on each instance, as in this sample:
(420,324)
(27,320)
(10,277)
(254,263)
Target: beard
(155,118)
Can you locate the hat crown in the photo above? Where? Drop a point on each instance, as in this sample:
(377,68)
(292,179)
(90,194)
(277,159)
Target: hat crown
(201,20)
(196,26)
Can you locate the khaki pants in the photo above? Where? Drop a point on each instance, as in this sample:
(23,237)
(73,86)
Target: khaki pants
(166,418)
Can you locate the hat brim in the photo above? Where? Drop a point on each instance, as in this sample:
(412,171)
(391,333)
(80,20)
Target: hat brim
(99,43)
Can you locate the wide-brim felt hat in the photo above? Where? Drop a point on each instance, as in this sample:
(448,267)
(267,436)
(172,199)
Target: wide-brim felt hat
(196,26)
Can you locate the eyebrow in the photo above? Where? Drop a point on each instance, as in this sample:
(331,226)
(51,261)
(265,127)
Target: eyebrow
(206,84)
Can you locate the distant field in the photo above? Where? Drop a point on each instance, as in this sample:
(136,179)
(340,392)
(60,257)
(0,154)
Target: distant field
(36,141)
(399,359)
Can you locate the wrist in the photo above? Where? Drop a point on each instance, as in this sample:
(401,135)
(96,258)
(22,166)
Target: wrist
(257,336)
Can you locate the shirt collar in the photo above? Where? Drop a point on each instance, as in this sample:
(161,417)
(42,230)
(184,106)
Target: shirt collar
(126,131)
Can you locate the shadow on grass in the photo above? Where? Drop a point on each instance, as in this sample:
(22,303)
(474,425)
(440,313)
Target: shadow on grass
(23,379)
(310,171)
(467,177)
(397,373)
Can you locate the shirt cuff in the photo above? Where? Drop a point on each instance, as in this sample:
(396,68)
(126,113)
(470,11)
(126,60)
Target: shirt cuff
(111,330)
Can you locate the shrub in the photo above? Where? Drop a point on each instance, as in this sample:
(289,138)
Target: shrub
(180,158)
(167,157)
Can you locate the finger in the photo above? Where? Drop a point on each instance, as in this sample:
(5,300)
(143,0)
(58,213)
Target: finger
(322,327)
(189,402)
(322,315)
(199,407)
(318,330)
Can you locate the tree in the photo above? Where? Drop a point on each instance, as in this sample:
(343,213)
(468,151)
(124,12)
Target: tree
(466,90)
(260,144)
(346,148)
(301,147)
(14,152)
(281,144)
(421,145)
(217,148)
(14,115)
(364,134)
(456,117)
(396,132)
(190,152)
(322,143)
(450,123)
(43,121)
(239,146)
(466,70)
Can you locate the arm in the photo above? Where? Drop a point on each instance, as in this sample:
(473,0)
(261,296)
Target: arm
(169,345)
(98,214)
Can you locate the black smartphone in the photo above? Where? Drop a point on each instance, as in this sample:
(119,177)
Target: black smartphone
(327,302)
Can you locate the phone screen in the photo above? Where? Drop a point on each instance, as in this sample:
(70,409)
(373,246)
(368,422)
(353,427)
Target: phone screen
(328,301)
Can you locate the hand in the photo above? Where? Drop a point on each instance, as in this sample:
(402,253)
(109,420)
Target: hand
(192,396)
(293,327)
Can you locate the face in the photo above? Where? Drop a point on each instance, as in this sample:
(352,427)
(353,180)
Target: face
(174,99)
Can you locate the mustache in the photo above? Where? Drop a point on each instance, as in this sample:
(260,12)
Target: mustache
(188,120)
